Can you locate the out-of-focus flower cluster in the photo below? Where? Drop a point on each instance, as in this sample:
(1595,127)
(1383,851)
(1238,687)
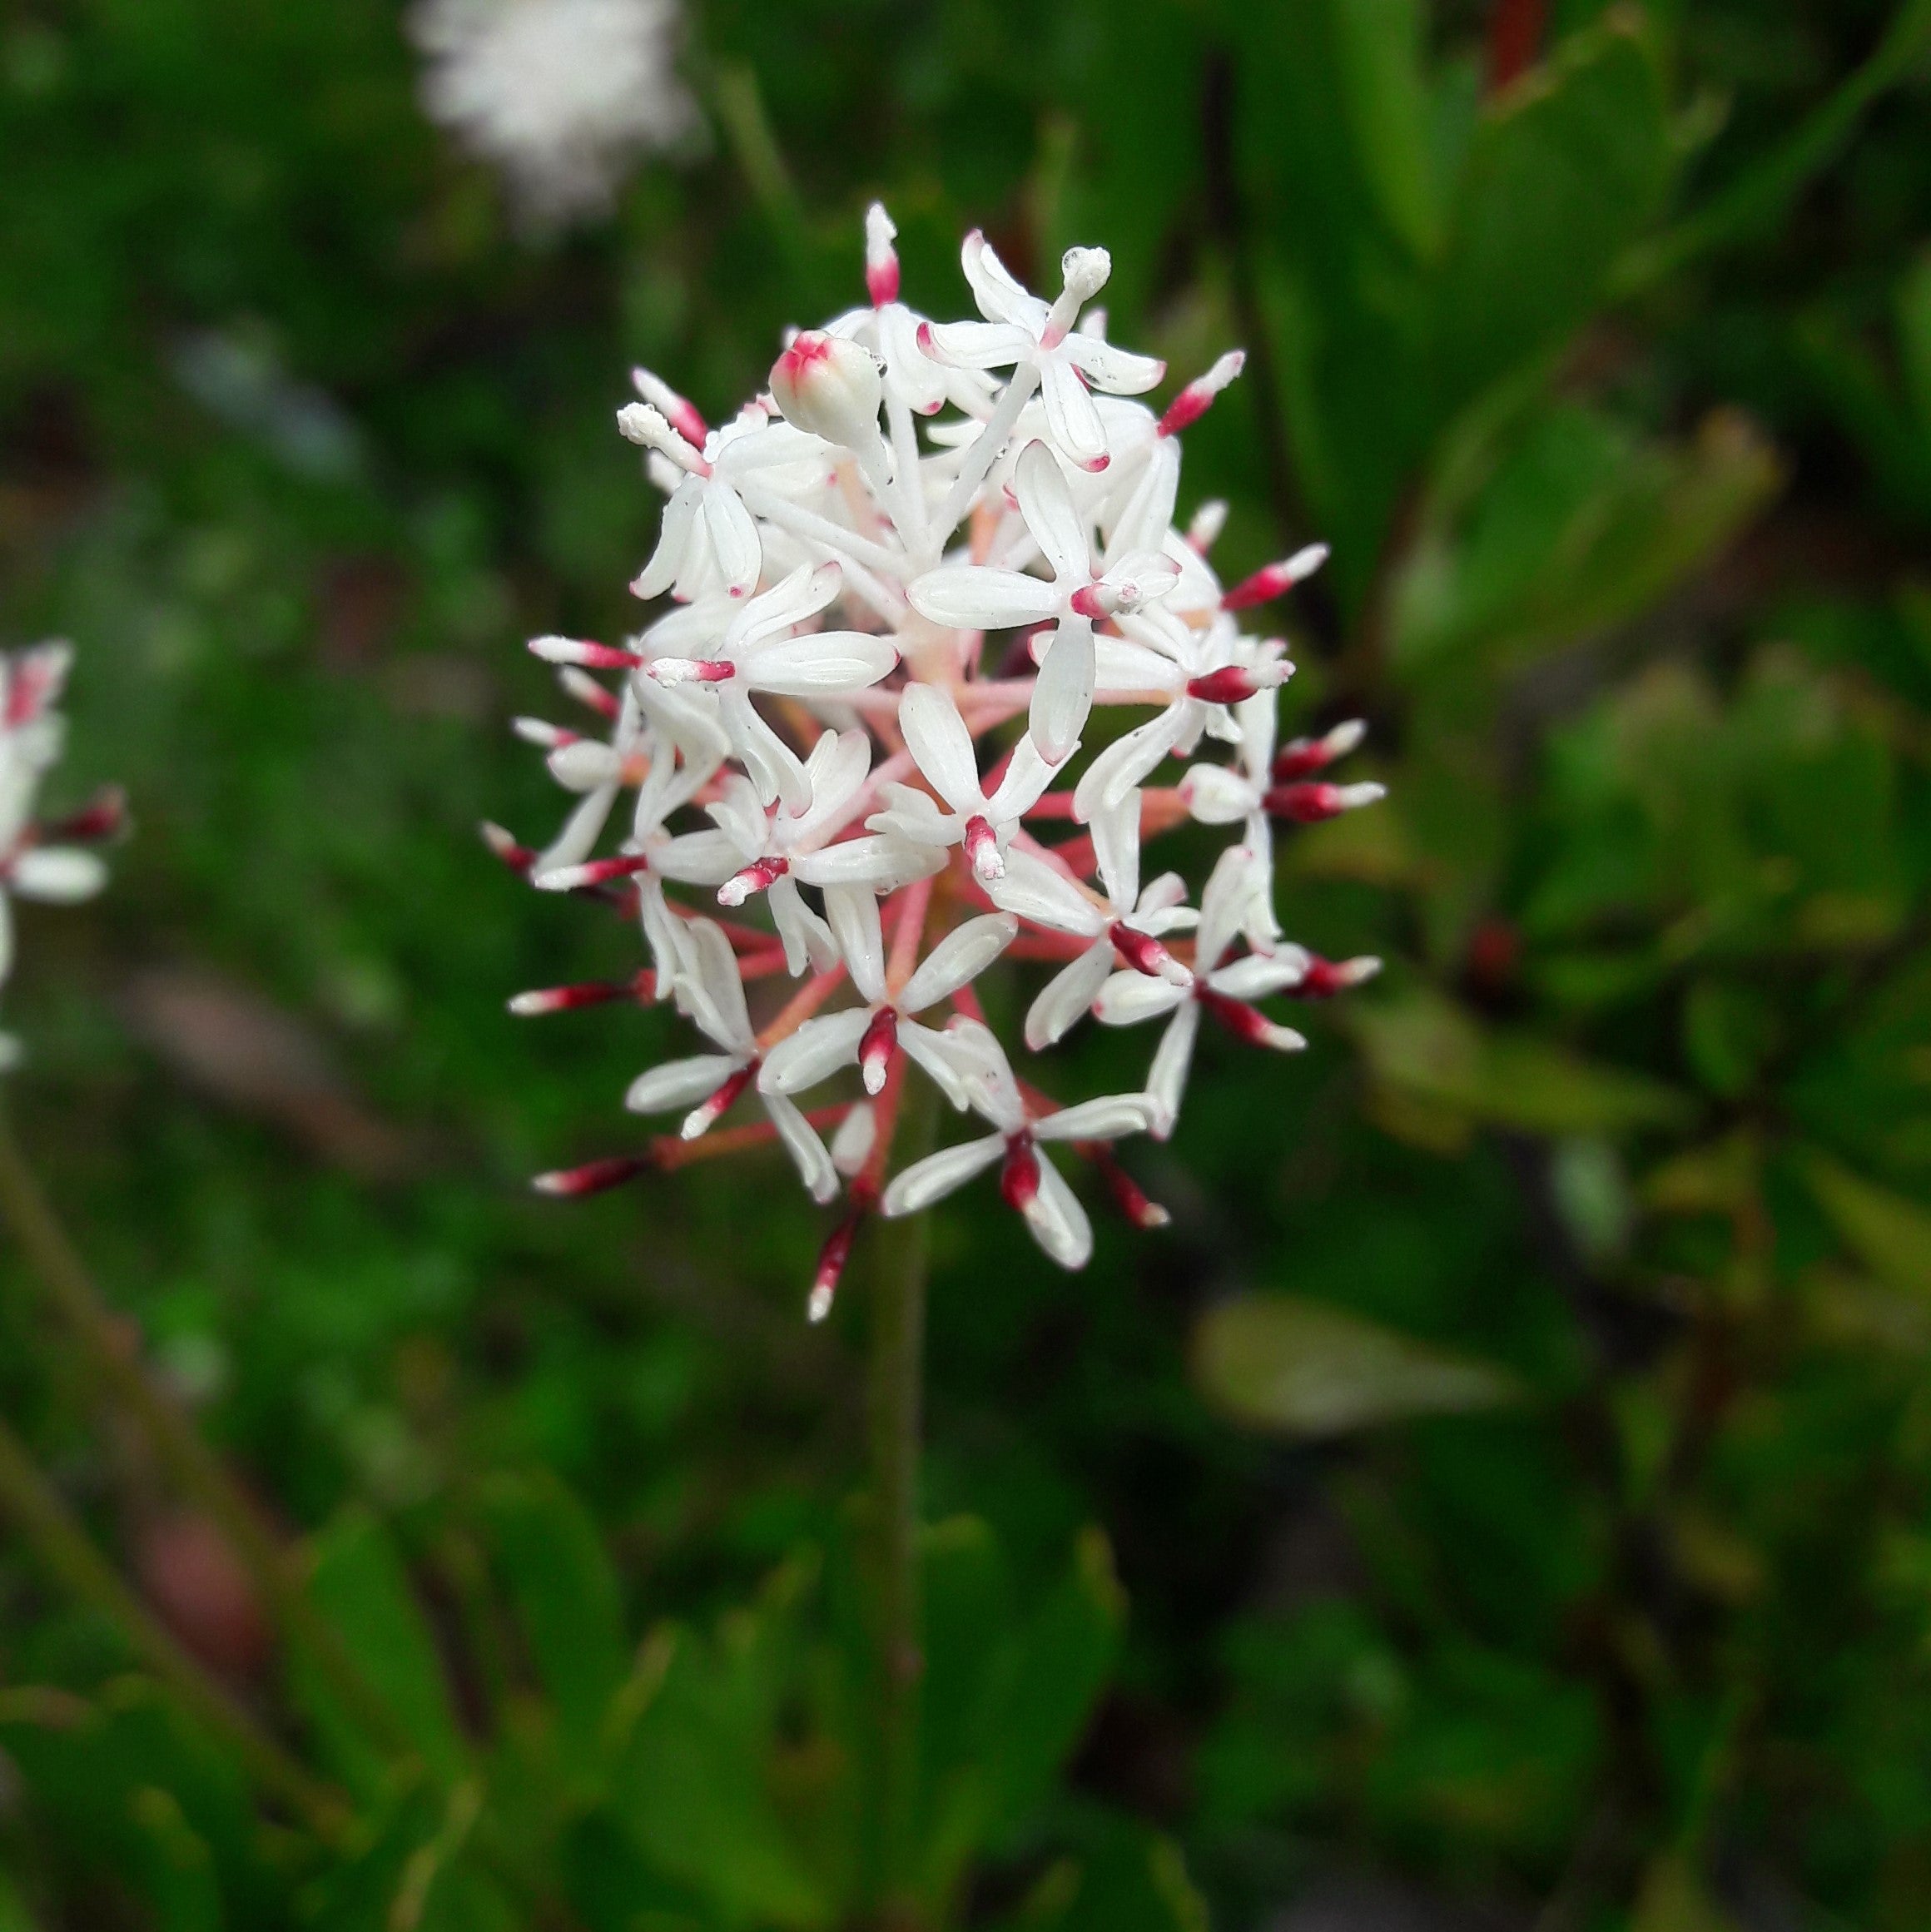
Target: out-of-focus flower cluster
(559,94)
(38,860)
(911,588)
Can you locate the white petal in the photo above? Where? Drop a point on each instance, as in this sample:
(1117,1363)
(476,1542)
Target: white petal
(1105,1119)
(1058,1222)
(1062,691)
(1116,849)
(852,912)
(60,874)
(875,859)
(581,830)
(1230,890)
(1216,795)
(801,1142)
(999,296)
(1036,890)
(939,1174)
(957,960)
(802,594)
(710,989)
(971,597)
(1129,761)
(674,541)
(815,1052)
(825,664)
(1070,414)
(1047,505)
(584,764)
(699,858)
(1068,996)
(980,1061)
(979,345)
(807,939)
(1027,775)
(1167,1078)
(1261,973)
(935,1053)
(1127,998)
(774,768)
(679,1083)
(1115,371)
(937,738)
(733,536)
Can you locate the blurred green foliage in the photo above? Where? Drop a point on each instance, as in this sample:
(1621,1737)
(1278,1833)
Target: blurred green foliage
(1515,1456)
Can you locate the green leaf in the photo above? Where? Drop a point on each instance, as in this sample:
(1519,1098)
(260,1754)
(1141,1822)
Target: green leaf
(1758,197)
(1890,1234)
(1915,347)
(1119,1877)
(358,1583)
(141,1790)
(1277,1362)
(1064,1658)
(14,1916)
(1563,174)
(1384,94)
(567,1600)
(1007,1694)
(178,1868)
(1576,528)
(1428,1049)
(698,1784)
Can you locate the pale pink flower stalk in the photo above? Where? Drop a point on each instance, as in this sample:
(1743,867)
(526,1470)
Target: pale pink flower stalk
(911,588)
(40,859)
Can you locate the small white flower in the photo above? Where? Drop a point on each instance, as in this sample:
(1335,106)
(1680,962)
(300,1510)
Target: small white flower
(1226,991)
(1038,341)
(1030,1185)
(710,993)
(983,597)
(936,736)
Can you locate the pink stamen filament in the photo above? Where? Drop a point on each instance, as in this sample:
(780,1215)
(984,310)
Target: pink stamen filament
(876,1048)
(1019,1175)
(758,877)
(982,847)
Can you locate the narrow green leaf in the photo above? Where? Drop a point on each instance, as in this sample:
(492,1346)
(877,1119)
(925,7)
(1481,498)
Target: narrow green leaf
(1563,175)
(1429,1049)
(1890,1234)
(358,1583)
(1378,47)
(567,1600)
(1279,1362)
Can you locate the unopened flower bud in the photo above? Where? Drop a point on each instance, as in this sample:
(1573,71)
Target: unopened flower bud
(678,411)
(829,386)
(880,257)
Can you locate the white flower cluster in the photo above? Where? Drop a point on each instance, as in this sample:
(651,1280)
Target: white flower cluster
(909,586)
(557,93)
(39,860)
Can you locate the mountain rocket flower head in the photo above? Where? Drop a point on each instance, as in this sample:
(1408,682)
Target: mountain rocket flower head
(935,660)
(38,860)
(557,93)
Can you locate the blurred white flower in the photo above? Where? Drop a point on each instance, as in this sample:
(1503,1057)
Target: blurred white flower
(558,94)
(38,860)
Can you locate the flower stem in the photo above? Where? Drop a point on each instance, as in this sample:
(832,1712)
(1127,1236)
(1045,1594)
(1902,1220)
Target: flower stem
(44,1519)
(193,1465)
(899,1257)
